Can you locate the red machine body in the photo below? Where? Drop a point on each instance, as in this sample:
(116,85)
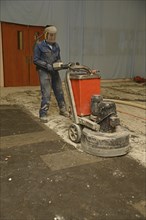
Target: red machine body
(84,87)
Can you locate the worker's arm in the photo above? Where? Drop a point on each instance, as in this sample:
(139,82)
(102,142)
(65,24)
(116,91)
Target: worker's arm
(38,62)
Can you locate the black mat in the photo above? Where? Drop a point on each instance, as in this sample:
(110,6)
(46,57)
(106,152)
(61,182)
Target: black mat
(106,190)
(14,121)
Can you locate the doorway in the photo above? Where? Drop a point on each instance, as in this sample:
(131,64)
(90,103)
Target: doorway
(18,43)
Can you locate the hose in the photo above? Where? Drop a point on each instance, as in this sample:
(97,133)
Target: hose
(131,115)
(127,103)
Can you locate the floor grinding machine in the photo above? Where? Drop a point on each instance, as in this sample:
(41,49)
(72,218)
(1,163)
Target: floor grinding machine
(95,122)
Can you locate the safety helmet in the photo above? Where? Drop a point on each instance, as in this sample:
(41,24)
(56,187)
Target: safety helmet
(50,29)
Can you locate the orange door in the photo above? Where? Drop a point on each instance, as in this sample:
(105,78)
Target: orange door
(15,52)
(18,41)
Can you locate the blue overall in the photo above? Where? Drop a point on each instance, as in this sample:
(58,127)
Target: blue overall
(44,57)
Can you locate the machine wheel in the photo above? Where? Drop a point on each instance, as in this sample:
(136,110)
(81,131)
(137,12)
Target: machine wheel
(74,133)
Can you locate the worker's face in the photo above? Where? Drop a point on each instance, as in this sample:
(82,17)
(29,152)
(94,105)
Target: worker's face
(51,37)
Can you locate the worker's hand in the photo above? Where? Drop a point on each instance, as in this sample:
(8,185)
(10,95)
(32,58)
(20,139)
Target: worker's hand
(49,67)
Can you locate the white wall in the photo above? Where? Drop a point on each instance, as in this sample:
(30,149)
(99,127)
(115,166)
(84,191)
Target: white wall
(108,35)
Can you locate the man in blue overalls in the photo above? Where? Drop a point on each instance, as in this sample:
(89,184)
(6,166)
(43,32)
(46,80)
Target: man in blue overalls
(46,53)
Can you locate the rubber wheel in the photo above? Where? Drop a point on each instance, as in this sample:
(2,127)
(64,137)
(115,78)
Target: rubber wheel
(74,133)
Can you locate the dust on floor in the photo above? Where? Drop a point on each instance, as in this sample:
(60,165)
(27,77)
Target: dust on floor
(131,117)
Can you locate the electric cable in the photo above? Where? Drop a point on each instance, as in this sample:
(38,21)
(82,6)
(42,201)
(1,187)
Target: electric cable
(127,103)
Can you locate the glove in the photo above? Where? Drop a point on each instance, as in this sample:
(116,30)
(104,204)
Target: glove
(49,67)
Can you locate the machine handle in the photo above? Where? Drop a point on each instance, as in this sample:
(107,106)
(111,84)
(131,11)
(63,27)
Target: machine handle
(76,67)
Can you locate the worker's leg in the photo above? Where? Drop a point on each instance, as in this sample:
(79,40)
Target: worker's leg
(45,84)
(58,92)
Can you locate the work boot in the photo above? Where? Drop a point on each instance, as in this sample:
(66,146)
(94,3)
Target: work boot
(44,119)
(43,112)
(64,112)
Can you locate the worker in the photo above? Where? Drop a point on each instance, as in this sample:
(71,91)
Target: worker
(47,52)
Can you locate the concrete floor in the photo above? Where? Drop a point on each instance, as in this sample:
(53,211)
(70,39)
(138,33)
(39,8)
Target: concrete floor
(45,178)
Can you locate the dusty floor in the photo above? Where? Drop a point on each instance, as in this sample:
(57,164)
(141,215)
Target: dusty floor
(46,177)
(132,118)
